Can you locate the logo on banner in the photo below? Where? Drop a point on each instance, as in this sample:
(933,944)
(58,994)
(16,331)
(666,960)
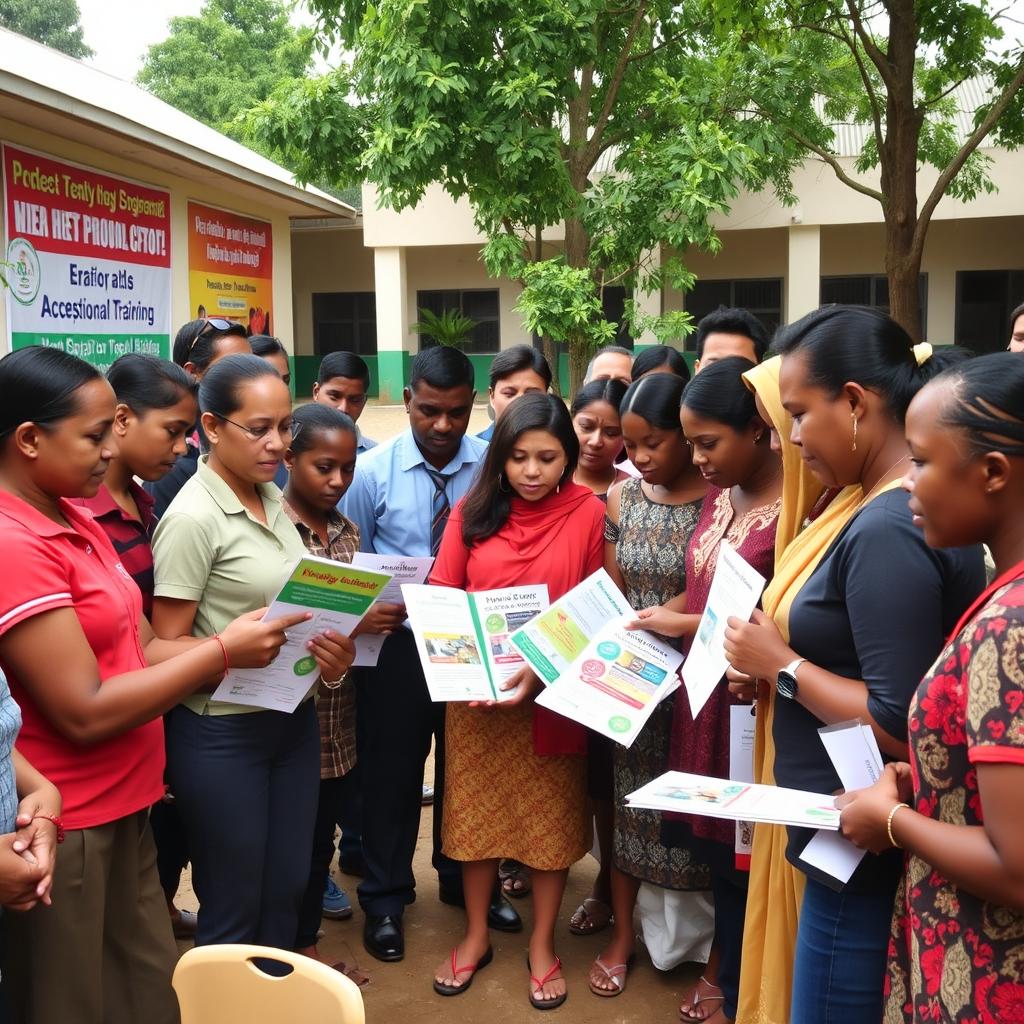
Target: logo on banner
(24,273)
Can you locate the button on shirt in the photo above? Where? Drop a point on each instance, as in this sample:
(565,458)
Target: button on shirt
(208,548)
(392,495)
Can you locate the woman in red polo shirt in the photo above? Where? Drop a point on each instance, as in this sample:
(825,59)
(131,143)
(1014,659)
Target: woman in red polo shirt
(92,681)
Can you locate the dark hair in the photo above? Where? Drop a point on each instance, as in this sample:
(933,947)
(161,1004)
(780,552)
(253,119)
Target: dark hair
(656,399)
(987,403)
(732,321)
(487,505)
(865,346)
(39,385)
(196,341)
(442,367)
(604,350)
(719,393)
(219,388)
(264,345)
(608,390)
(515,360)
(1016,315)
(343,364)
(144,382)
(660,355)
(312,420)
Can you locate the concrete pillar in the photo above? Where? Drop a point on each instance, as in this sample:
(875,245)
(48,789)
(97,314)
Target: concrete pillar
(392,301)
(803,272)
(649,303)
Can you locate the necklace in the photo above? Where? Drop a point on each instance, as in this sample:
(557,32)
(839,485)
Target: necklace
(882,480)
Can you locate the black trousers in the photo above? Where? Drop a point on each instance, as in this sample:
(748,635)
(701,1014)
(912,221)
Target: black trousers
(247,787)
(730,890)
(396,723)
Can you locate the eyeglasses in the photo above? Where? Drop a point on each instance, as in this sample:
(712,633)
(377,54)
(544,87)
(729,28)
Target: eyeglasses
(218,323)
(289,433)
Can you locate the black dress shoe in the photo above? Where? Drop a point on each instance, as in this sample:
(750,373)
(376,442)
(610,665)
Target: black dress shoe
(501,915)
(383,938)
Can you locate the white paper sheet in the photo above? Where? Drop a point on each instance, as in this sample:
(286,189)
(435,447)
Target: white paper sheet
(735,591)
(742,726)
(401,570)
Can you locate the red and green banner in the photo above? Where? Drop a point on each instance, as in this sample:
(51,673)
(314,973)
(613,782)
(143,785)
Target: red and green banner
(89,259)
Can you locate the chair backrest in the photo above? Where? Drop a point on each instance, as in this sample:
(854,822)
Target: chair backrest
(222,985)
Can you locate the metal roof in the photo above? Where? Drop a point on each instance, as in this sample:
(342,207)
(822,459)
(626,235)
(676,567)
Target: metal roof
(44,88)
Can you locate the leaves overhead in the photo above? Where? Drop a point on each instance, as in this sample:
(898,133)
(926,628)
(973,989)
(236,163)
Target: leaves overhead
(55,23)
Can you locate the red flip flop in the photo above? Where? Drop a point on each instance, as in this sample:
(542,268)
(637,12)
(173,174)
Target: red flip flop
(455,990)
(539,983)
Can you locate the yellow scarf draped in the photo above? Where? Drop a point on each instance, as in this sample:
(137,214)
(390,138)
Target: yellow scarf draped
(776,888)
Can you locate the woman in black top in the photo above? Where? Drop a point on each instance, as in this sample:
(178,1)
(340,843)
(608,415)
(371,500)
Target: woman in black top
(863,628)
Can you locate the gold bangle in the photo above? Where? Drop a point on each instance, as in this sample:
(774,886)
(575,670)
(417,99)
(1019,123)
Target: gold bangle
(888,823)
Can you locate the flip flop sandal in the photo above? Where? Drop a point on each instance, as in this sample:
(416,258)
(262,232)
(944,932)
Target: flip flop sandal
(538,986)
(585,921)
(456,990)
(515,879)
(696,999)
(616,975)
(360,978)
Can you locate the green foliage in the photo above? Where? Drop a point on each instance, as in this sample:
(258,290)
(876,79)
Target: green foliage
(54,23)
(451,328)
(226,60)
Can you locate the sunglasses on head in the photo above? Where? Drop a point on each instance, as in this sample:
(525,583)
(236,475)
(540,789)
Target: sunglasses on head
(218,323)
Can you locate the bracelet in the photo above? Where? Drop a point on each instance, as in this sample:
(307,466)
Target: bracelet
(888,823)
(333,684)
(57,824)
(224,651)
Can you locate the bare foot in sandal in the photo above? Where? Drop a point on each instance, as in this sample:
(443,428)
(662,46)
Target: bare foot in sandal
(608,980)
(705,1002)
(515,879)
(591,916)
(468,953)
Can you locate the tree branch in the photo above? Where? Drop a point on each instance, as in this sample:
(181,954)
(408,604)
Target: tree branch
(956,164)
(942,95)
(833,162)
(869,88)
(878,58)
(667,41)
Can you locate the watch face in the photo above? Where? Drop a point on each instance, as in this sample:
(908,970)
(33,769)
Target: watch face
(786,685)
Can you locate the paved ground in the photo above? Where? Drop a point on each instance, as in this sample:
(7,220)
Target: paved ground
(401,993)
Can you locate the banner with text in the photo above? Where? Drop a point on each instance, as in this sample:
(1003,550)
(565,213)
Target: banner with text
(230,267)
(89,259)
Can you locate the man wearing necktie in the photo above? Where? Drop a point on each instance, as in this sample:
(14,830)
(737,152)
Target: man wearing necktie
(401,497)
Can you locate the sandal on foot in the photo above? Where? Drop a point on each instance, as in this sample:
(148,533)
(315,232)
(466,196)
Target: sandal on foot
(515,879)
(454,990)
(358,977)
(690,1016)
(591,916)
(616,975)
(537,986)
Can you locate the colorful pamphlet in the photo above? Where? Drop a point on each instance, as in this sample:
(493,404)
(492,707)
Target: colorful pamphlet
(463,639)
(401,570)
(339,596)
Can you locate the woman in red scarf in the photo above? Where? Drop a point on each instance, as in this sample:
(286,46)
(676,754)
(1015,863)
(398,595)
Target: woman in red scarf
(515,774)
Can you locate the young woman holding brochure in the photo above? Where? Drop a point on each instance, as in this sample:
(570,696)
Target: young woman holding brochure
(92,681)
(514,773)
(648,526)
(246,780)
(847,377)
(958,807)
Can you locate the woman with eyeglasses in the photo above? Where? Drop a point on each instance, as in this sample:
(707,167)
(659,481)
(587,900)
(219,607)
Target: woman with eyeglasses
(246,780)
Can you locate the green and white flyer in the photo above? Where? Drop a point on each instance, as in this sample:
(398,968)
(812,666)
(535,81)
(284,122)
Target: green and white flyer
(338,595)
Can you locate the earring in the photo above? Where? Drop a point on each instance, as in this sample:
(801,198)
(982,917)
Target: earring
(854,418)
(558,487)
(501,480)
(757,439)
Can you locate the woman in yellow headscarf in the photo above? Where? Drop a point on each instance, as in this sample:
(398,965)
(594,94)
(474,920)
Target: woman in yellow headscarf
(846,371)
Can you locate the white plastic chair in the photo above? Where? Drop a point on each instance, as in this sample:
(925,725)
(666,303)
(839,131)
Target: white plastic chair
(222,985)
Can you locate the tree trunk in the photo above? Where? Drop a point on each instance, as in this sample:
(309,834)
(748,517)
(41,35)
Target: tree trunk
(579,358)
(577,252)
(903,269)
(551,354)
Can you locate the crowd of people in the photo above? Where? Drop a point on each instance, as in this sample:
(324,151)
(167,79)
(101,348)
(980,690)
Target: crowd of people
(149,516)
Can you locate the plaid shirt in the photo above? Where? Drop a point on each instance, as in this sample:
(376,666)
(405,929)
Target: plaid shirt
(336,708)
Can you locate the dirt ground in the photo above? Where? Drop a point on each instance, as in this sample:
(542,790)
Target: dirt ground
(402,992)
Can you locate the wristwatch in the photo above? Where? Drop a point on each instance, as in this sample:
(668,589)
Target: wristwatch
(785,684)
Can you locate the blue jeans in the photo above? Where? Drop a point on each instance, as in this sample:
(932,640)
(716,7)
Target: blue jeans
(841,952)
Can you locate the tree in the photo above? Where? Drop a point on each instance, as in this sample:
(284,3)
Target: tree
(587,113)
(55,23)
(228,58)
(895,66)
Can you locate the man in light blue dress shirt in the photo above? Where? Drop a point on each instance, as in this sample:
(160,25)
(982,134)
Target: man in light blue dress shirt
(400,500)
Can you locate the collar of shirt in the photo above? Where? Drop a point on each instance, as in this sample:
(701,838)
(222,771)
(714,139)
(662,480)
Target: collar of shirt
(32,519)
(103,504)
(363,443)
(339,527)
(226,498)
(410,455)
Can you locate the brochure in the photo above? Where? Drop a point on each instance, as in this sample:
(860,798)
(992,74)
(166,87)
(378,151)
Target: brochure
(735,591)
(551,642)
(401,570)
(739,801)
(339,596)
(742,727)
(616,682)
(463,639)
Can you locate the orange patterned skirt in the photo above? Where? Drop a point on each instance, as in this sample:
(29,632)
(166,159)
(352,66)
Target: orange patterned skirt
(502,800)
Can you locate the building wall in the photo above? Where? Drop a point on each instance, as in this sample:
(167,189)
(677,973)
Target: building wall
(181,190)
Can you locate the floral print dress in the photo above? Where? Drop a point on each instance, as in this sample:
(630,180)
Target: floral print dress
(953,956)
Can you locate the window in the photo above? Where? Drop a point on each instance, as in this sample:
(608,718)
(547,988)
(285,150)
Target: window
(479,304)
(345,322)
(613,304)
(870,290)
(761,296)
(984,301)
